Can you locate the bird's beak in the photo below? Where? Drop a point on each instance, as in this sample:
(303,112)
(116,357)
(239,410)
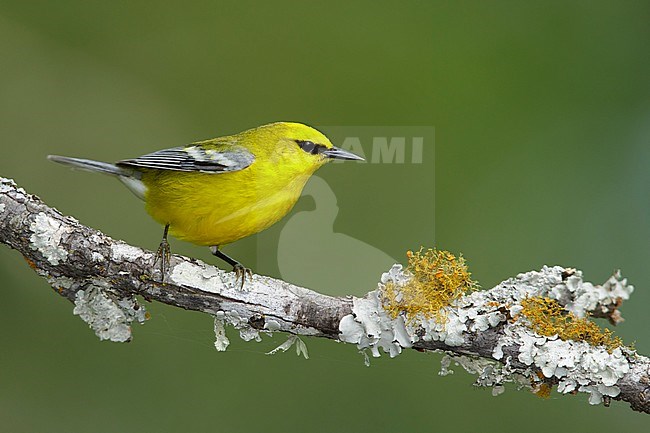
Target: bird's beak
(336,153)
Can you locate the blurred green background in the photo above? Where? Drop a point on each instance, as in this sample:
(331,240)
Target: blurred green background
(541,114)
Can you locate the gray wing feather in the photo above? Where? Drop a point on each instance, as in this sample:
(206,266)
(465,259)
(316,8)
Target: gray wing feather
(194,158)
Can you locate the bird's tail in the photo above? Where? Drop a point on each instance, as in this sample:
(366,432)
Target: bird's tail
(90,165)
(129,177)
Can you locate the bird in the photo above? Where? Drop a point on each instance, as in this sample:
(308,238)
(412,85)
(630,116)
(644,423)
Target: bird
(218,191)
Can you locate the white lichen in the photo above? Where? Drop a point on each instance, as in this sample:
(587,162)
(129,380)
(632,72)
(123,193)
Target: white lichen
(199,276)
(46,238)
(7,185)
(582,297)
(445,363)
(234,319)
(62,283)
(574,365)
(221,341)
(489,373)
(97,257)
(301,347)
(272,325)
(2,207)
(370,327)
(108,316)
(125,252)
(248,333)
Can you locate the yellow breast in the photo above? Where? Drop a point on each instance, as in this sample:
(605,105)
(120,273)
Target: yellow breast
(217,209)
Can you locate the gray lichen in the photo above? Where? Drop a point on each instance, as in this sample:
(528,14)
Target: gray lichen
(109,317)
(572,365)
(46,238)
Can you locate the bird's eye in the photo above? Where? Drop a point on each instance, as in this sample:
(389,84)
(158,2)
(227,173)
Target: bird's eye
(308,146)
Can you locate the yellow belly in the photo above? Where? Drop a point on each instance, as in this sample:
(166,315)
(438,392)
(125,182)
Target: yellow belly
(217,209)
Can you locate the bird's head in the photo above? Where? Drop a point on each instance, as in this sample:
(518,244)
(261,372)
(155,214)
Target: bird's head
(296,144)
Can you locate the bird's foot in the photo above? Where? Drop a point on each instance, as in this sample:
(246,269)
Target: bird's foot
(162,259)
(241,273)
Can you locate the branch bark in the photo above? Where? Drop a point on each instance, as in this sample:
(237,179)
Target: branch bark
(103,278)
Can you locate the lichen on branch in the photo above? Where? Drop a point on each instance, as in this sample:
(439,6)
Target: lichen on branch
(435,279)
(548,317)
(105,278)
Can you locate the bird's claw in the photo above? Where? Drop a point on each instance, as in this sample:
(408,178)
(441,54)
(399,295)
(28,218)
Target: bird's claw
(241,272)
(163,256)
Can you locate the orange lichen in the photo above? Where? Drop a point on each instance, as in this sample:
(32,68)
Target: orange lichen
(30,263)
(543,390)
(547,317)
(439,278)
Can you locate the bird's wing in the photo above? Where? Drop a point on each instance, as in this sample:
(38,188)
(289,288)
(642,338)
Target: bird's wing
(205,157)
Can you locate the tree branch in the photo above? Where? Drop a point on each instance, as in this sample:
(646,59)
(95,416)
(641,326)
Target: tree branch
(483,331)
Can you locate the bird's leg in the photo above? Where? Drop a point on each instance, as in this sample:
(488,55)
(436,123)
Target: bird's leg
(241,271)
(163,255)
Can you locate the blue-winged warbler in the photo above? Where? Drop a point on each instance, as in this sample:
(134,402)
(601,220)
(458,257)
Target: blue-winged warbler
(218,191)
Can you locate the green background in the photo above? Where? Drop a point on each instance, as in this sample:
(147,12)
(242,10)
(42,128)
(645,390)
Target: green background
(541,157)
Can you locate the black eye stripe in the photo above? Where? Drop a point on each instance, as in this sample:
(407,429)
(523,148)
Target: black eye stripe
(310,146)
